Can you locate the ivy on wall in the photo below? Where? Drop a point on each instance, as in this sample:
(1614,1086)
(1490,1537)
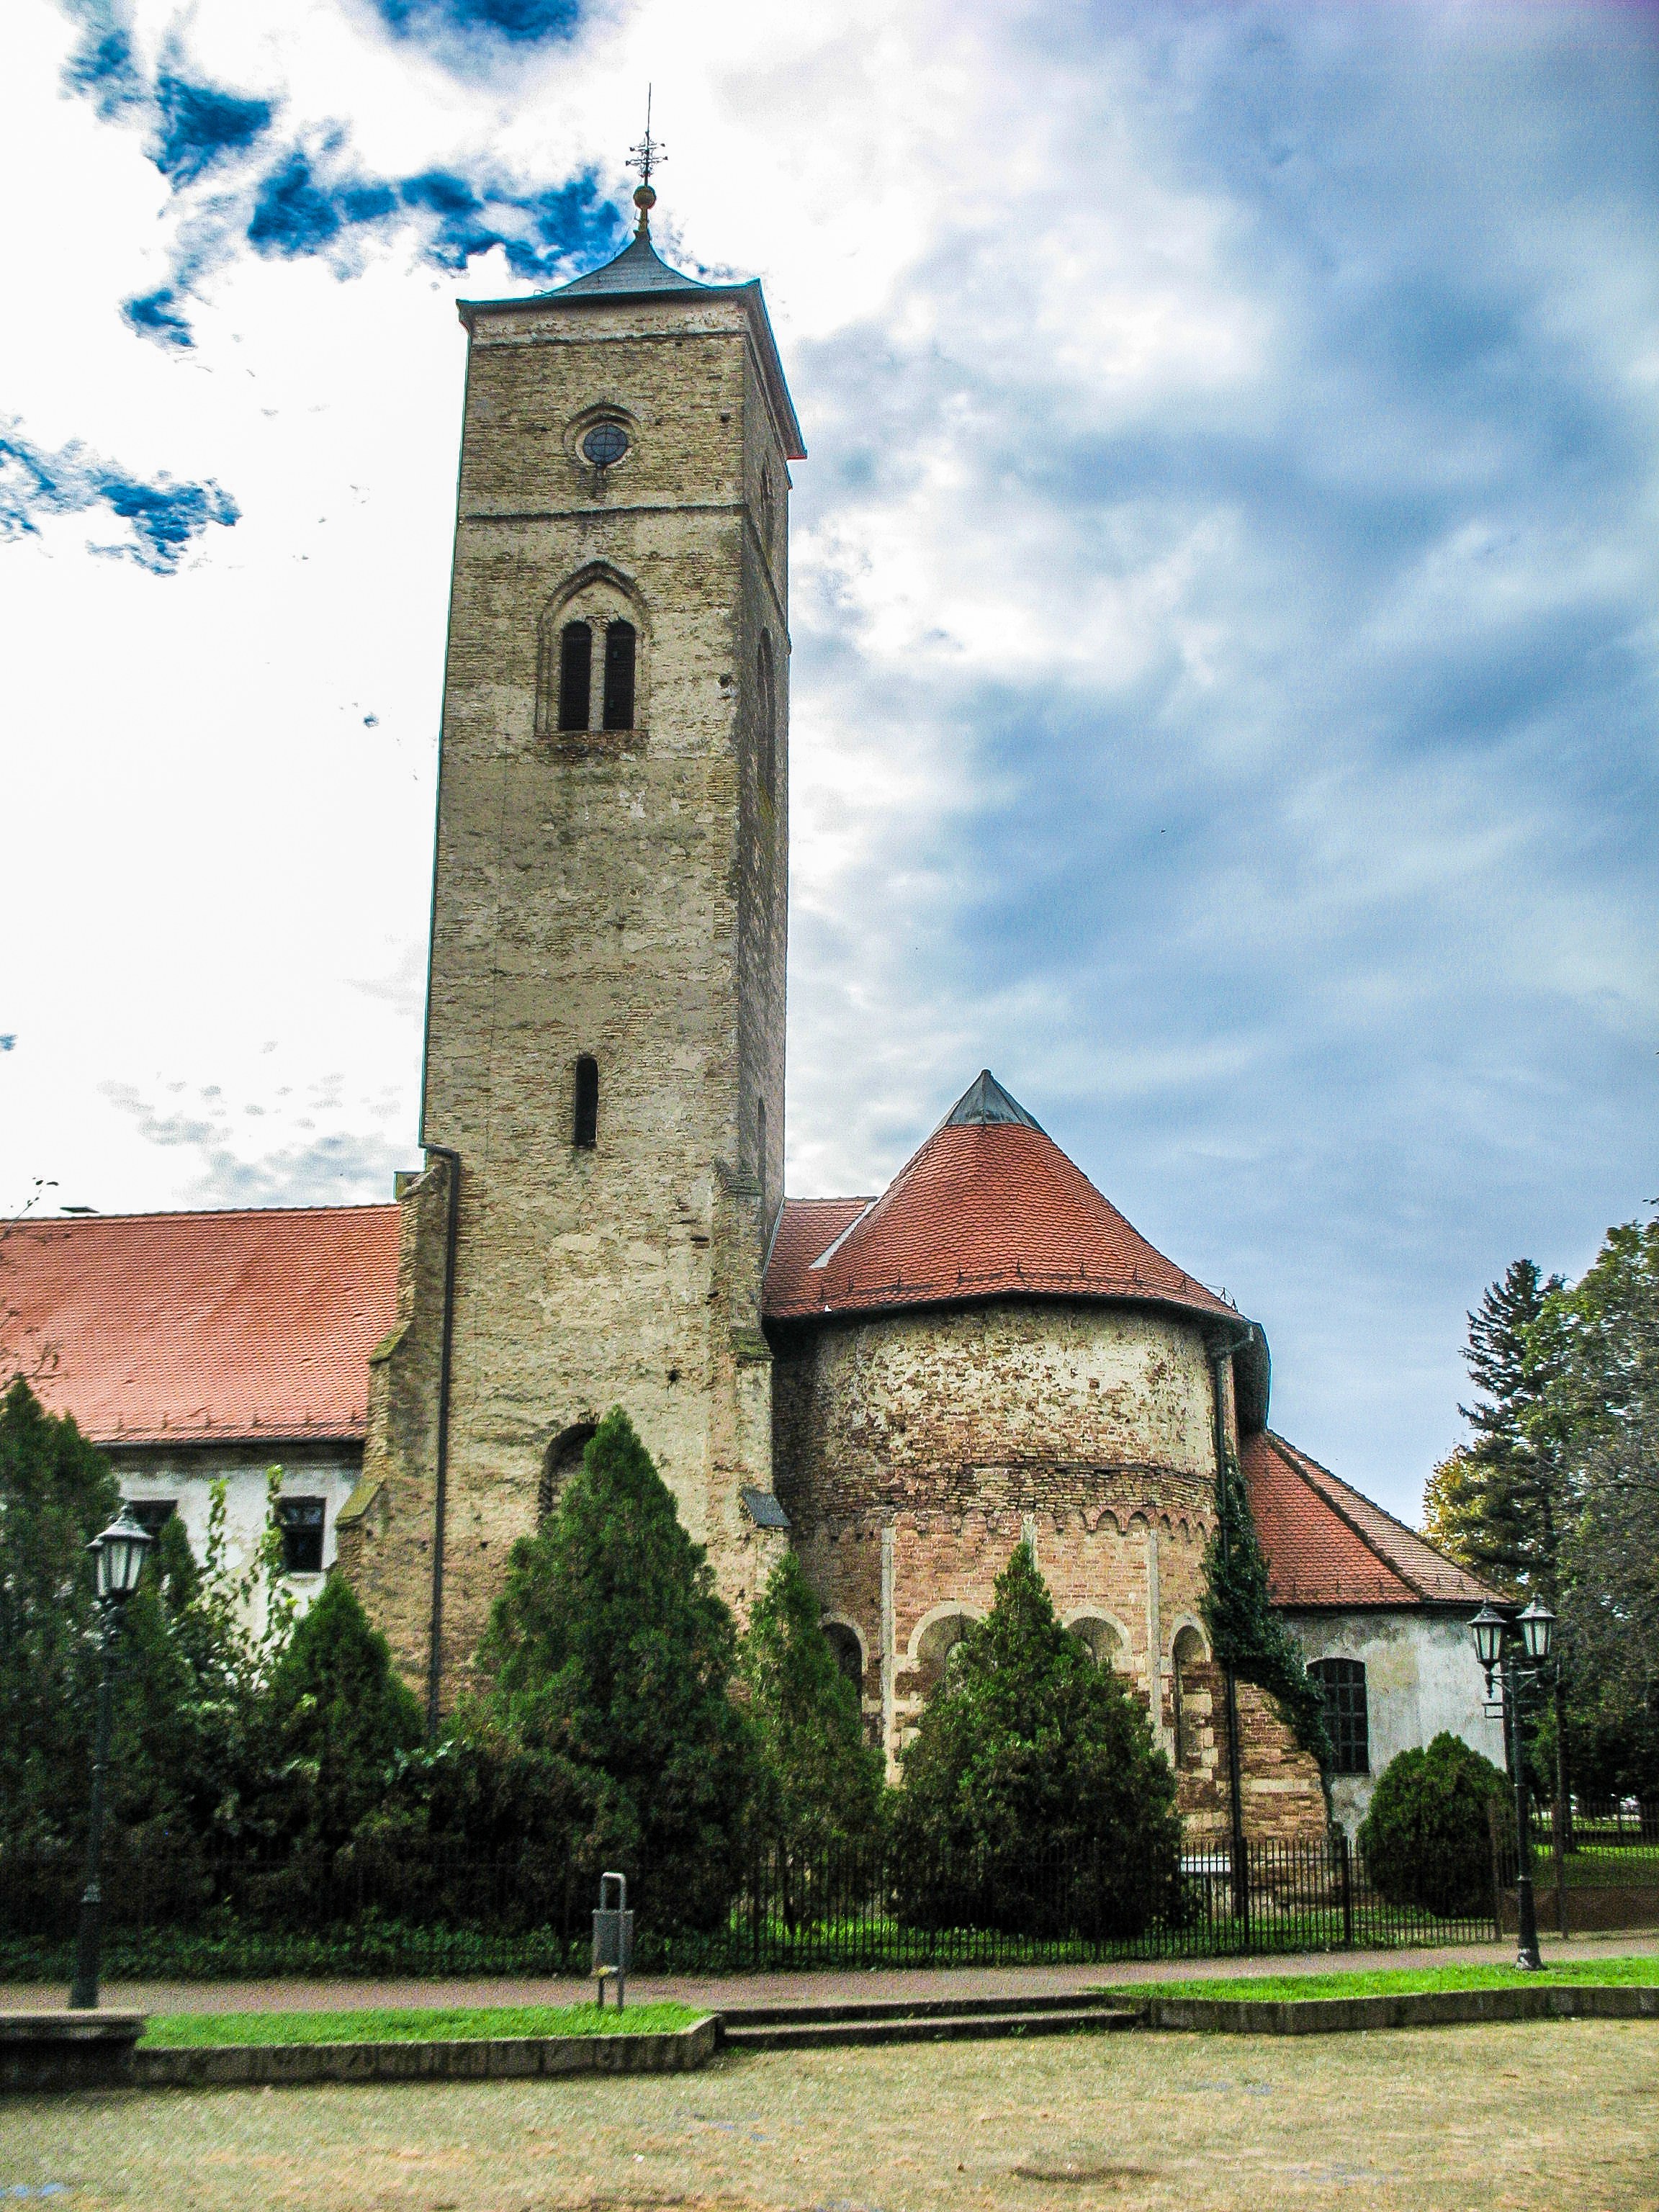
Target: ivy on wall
(1245,1632)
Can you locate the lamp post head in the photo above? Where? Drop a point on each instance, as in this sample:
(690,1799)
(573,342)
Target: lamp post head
(1537,1626)
(1487,1629)
(120,1553)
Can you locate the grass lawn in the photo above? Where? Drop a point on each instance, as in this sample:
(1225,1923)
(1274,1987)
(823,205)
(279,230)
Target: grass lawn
(1378,1982)
(1427,2120)
(414,2024)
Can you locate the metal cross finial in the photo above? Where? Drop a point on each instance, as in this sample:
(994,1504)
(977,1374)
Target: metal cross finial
(645,157)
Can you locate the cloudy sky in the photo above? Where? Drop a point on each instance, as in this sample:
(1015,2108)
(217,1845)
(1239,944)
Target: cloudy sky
(1226,598)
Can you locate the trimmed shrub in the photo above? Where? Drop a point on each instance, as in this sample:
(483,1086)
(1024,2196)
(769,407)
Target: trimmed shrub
(1427,1839)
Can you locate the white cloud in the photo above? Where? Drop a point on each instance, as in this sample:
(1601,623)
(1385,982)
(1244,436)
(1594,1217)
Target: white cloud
(1220,657)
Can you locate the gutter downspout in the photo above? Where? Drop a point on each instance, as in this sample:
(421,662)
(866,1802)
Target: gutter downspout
(435,1655)
(1221,1355)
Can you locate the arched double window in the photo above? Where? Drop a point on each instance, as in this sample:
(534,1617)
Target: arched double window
(589,672)
(615,699)
(766,716)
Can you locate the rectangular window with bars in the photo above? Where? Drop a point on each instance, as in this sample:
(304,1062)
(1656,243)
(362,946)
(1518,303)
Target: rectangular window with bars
(1342,1684)
(300,1520)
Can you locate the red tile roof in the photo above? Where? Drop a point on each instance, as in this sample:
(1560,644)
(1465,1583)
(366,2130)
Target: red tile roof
(989,1207)
(1327,1545)
(164,1327)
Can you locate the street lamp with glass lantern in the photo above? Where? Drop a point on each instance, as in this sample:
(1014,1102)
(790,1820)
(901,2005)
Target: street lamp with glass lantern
(1507,1638)
(120,1555)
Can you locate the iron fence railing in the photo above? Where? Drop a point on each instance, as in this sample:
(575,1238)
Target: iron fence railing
(177,1909)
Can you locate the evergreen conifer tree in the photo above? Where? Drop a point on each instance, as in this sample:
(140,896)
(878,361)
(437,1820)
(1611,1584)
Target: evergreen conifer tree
(818,1783)
(1511,1477)
(56,1492)
(610,1658)
(339,1714)
(1034,1779)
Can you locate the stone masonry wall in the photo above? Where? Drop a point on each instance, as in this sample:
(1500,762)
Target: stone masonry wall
(618,894)
(915,1451)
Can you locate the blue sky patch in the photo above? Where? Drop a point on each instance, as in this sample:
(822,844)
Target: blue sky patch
(164,517)
(305,198)
(201,125)
(522,23)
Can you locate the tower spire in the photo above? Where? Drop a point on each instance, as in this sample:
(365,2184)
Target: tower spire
(645,157)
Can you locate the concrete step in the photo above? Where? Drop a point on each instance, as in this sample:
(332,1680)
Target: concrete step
(805,2033)
(915,2008)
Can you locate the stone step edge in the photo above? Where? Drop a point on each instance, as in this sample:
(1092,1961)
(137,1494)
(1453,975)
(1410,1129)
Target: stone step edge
(956,2027)
(1399,2009)
(787,2015)
(492,2058)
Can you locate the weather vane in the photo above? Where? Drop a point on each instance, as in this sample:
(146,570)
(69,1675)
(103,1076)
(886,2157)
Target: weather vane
(645,157)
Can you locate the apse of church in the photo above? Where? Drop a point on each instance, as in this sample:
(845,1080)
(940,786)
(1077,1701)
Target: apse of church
(604,1044)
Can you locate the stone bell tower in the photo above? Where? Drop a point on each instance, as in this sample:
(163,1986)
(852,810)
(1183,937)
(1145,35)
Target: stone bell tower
(605,1040)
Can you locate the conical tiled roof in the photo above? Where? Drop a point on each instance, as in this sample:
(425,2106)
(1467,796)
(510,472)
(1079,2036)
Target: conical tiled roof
(989,1207)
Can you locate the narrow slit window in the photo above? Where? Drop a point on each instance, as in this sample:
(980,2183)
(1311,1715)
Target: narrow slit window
(767,707)
(586,1133)
(619,675)
(759,1145)
(575,675)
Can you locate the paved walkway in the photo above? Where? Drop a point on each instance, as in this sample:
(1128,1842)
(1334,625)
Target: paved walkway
(721,1992)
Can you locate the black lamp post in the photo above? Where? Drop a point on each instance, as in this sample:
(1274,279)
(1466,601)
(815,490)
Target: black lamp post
(1505,1640)
(119,1554)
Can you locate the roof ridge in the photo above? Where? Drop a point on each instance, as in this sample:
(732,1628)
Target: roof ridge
(1308,1467)
(1300,1467)
(198,1213)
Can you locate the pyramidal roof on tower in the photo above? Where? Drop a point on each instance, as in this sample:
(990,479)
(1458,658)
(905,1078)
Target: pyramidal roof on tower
(639,272)
(989,1207)
(638,268)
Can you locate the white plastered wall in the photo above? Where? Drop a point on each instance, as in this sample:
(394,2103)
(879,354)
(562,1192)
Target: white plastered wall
(1421,1679)
(188,1476)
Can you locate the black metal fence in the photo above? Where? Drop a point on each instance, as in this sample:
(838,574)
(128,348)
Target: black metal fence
(233,1914)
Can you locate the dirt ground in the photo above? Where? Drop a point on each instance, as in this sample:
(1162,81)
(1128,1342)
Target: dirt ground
(1431,2120)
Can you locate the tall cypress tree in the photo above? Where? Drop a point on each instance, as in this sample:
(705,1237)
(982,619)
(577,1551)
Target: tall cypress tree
(56,1492)
(1034,1779)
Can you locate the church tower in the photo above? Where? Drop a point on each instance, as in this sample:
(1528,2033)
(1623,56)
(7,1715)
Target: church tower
(604,1044)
